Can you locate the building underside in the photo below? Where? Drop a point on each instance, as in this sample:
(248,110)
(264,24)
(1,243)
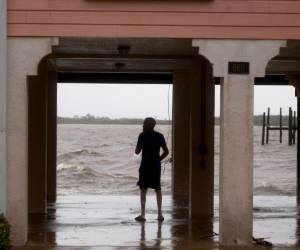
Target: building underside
(193,66)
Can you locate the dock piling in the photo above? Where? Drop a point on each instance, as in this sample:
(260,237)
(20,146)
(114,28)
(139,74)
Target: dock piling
(280,125)
(268,126)
(290,126)
(263,129)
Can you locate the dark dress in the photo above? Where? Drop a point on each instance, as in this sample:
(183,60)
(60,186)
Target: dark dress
(150,169)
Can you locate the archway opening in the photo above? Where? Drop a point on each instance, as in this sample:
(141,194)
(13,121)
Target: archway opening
(275,164)
(97,130)
(195,96)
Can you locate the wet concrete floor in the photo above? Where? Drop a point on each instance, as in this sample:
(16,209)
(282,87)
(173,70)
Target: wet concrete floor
(107,222)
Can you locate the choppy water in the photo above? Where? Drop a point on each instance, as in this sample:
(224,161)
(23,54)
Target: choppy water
(99,159)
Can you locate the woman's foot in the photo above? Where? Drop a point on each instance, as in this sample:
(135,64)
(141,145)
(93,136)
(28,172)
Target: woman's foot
(140,218)
(160,217)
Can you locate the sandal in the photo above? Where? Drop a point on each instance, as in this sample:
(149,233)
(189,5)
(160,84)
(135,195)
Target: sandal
(140,218)
(160,218)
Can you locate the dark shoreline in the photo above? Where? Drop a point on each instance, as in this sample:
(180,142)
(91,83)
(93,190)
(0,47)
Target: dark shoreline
(89,119)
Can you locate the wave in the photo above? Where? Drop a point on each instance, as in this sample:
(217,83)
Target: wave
(81,172)
(78,153)
(269,189)
(87,180)
(123,181)
(85,171)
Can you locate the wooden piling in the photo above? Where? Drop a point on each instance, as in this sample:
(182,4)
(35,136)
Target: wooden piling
(290,126)
(280,125)
(268,126)
(263,129)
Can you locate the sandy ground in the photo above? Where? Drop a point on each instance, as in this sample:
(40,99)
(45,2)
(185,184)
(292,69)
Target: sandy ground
(107,222)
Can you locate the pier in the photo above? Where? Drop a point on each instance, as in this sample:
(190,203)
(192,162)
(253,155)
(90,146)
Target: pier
(291,127)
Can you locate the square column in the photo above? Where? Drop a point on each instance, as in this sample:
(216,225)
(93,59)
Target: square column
(24,55)
(201,200)
(3,92)
(37,202)
(236,158)
(236,147)
(181,125)
(51,135)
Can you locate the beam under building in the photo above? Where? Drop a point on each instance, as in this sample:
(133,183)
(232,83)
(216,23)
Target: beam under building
(120,78)
(149,78)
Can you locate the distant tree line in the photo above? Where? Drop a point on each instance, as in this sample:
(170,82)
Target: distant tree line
(91,119)
(258,120)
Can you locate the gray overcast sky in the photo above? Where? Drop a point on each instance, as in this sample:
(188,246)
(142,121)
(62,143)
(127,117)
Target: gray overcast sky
(139,101)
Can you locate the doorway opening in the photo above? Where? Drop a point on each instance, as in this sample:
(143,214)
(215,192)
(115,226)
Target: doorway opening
(97,130)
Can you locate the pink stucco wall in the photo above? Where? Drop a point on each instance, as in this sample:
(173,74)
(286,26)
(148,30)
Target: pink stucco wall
(257,19)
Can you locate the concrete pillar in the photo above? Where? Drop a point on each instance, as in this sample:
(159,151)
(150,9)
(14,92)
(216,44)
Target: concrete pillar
(236,148)
(236,158)
(51,135)
(201,141)
(3,87)
(37,185)
(181,116)
(24,55)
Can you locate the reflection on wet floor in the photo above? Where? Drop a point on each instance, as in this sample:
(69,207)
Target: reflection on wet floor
(107,222)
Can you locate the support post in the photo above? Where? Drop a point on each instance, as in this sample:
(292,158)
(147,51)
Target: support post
(201,193)
(181,126)
(268,127)
(3,99)
(236,138)
(290,126)
(280,125)
(24,55)
(201,141)
(51,135)
(37,167)
(236,157)
(263,129)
